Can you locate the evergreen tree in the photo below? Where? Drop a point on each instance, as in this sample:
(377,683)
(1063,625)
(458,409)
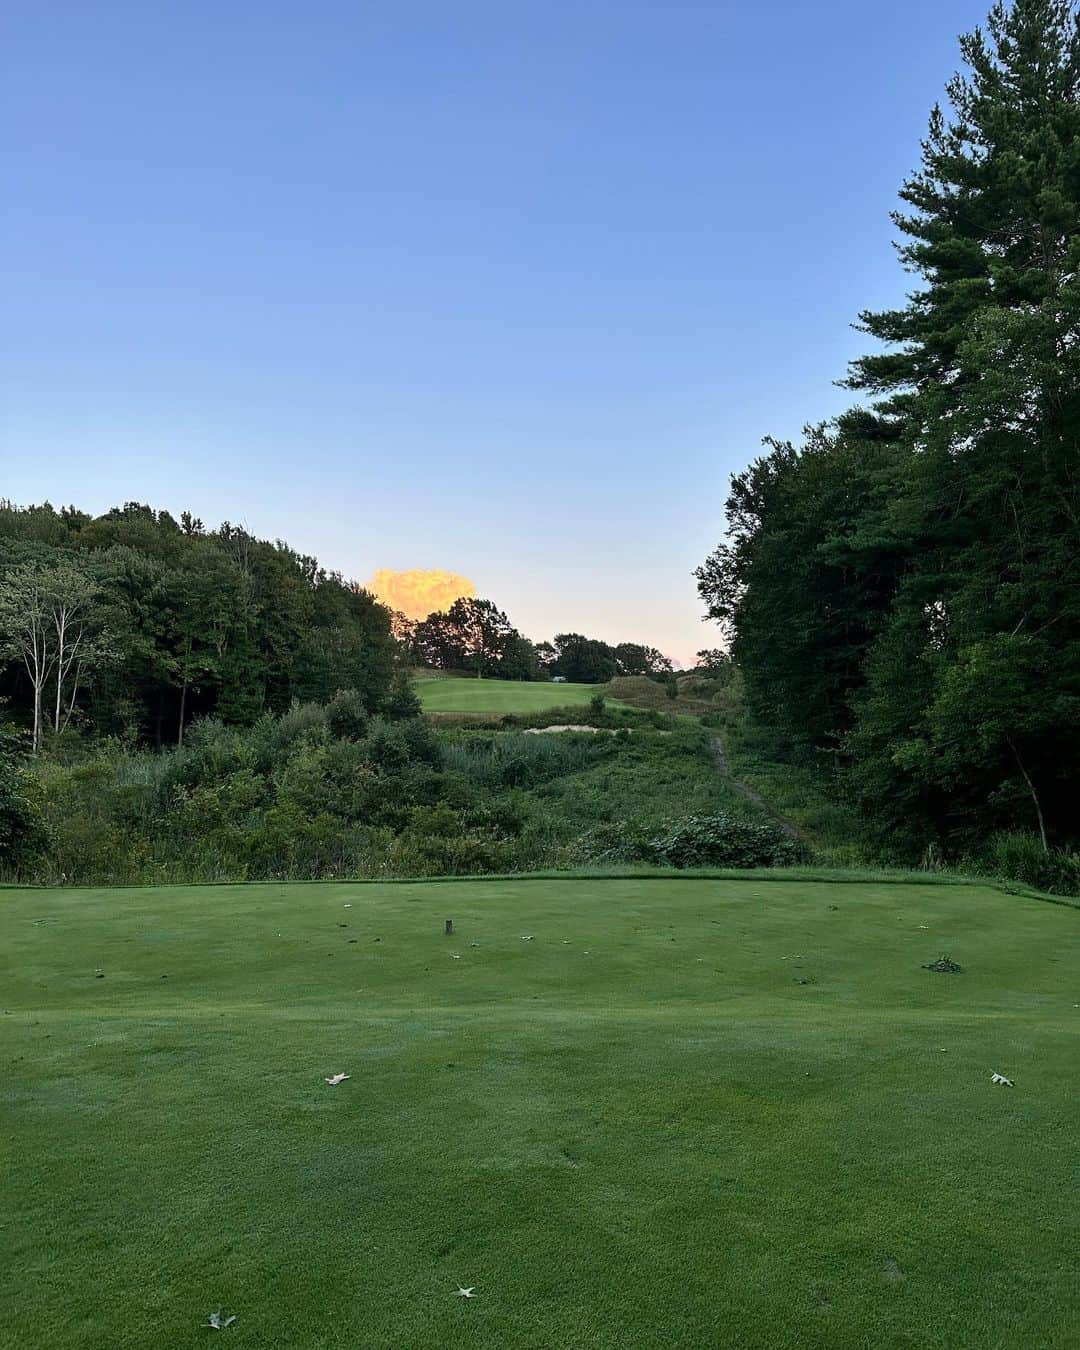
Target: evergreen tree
(402,702)
(905,588)
(983,372)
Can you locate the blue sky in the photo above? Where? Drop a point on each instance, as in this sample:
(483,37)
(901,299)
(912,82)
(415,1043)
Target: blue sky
(506,288)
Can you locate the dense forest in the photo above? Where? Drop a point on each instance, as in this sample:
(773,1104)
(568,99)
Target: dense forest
(134,624)
(902,590)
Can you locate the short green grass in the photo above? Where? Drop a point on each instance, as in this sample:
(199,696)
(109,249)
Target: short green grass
(499,696)
(637,1128)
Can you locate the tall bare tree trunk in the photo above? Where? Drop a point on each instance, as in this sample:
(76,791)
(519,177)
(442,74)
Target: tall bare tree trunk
(1034,795)
(38,665)
(61,636)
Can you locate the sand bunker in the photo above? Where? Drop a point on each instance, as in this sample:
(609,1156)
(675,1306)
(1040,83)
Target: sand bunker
(542,731)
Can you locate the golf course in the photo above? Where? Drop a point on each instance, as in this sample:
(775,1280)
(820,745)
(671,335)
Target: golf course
(465,695)
(646,1110)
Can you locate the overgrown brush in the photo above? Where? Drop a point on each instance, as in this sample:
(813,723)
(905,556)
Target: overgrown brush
(1017,856)
(329,791)
(516,760)
(717,840)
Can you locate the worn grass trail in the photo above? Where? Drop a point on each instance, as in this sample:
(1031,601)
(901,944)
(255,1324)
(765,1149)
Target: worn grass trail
(635,1129)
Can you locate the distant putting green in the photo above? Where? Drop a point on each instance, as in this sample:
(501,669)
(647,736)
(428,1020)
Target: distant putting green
(628,1113)
(499,696)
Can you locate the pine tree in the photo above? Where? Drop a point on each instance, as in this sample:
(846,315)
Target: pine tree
(906,586)
(984,377)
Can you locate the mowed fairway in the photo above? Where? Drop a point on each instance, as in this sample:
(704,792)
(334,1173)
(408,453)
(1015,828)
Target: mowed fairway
(499,696)
(618,1115)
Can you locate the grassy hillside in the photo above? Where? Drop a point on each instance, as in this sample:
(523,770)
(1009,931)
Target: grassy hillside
(694,697)
(499,696)
(631,1113)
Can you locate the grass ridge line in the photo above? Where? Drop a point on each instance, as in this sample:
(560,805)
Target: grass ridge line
(841,877)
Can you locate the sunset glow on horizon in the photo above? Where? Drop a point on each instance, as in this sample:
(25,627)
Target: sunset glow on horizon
(419,592)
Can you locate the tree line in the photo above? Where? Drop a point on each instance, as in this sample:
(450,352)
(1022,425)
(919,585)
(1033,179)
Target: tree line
(902,590)
(476,637)
(134,624)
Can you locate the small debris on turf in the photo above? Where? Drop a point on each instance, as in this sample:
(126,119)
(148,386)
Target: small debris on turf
(1001,1080)
(454,956)
(891,1272)
(336,1078)
(346,906)
(466,1293)
(99,974)
(219,1321)
(808,980)
(526,937)
(945,965)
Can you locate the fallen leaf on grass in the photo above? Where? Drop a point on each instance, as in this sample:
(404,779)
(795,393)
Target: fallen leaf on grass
(336,1078)
(891,1272)
(1001,1080)
(466,1293)
(219,1322)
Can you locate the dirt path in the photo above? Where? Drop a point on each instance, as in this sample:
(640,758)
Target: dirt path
(723,768)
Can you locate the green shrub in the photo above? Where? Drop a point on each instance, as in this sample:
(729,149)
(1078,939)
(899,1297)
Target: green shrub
(346,716)
(618,841)
(1017,856)
(22,834)
(401,702)
(386,746)
(303,722)
(722,840)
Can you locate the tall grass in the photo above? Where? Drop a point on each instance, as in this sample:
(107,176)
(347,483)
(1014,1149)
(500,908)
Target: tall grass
(512,759)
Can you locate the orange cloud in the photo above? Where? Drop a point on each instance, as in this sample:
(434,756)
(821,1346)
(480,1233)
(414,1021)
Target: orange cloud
(418,593)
